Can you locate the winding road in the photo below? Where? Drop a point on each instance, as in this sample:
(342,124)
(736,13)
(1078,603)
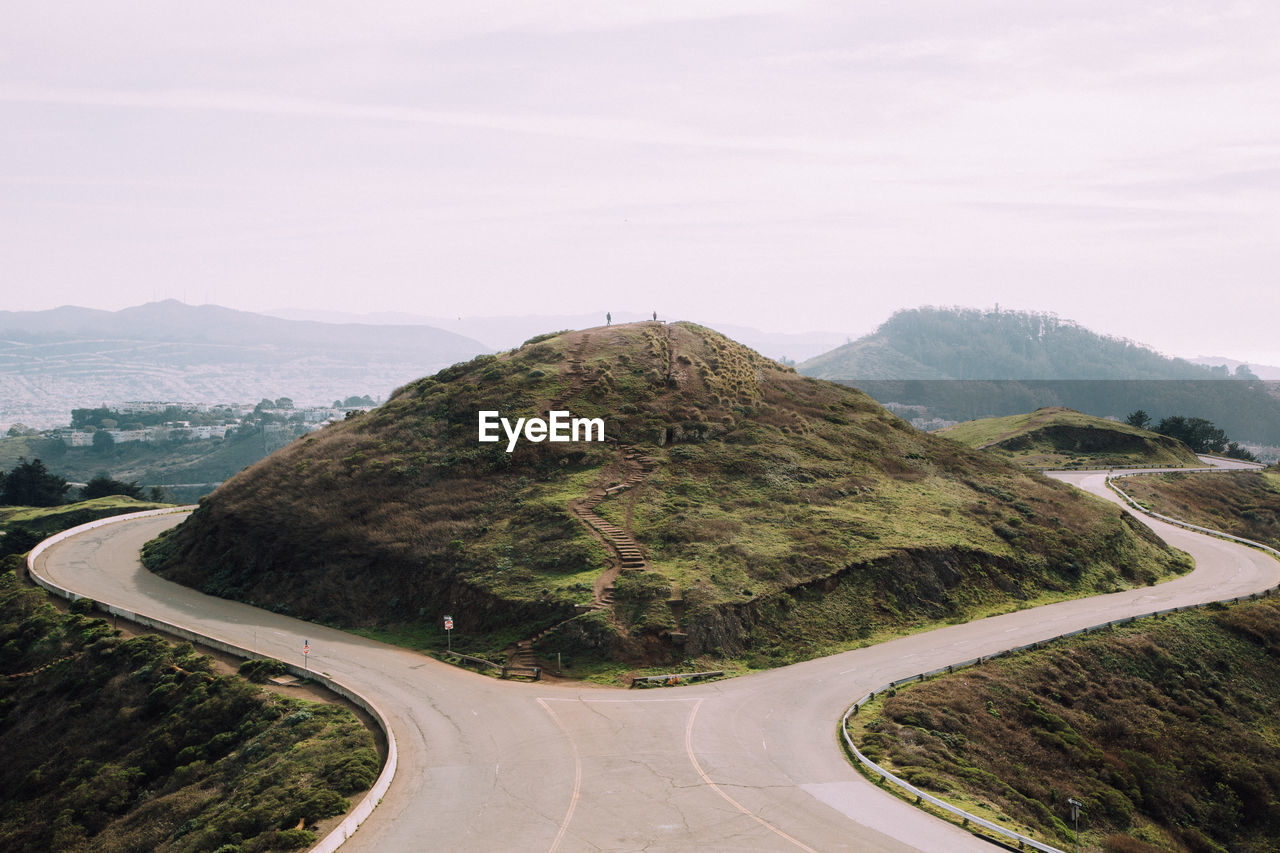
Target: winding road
(750,763)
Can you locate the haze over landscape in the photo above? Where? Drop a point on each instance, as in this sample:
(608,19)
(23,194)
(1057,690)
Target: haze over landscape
(541,426)
(766,164)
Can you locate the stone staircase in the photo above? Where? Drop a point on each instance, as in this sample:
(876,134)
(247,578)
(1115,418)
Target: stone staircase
(628,557)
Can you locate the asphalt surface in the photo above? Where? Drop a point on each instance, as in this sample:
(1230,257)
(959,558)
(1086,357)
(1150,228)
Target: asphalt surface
(750,763)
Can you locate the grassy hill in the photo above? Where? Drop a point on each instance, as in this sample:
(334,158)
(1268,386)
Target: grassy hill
(1056,437)
(966,343)
(1243,503)
(125,744)
(959,364)
(1165,729)
(48,520)
(773,516)
(22,527)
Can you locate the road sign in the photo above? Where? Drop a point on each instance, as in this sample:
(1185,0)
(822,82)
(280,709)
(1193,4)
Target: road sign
(448,623)
(306,647)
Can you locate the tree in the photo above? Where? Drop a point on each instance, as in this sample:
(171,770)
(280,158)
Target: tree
(30,484)
(103,442)
(1138,418)
(102,485)
(1235,451)
(18,539)
(284,403)
(1243,372)
(1197,433)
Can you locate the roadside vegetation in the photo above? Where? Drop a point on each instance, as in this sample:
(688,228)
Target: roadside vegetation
(1165,729)
(787,516)
(1242,503)
(136,744)
(22,527)
(1055,437)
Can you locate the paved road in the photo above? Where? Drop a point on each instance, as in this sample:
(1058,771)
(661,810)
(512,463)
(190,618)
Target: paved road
(748,764)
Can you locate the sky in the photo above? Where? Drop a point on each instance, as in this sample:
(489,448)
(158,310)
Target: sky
(782,165)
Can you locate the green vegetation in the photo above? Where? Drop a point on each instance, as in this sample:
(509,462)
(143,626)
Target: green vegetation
(189,461)
(24,527)
(1056,437)
(1242,503)
(31,484)
(1012,362)
(788,516)
(114,744)
(967,343)
(1165,729)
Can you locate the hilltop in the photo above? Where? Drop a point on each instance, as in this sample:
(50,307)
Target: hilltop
(966,343)
(1055,437)
(738,509)
(960,364)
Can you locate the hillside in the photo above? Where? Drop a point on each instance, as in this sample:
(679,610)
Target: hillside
(1164,729)
(22,527)
(197,465)
(966,343)
(1055,437)
(53,361)
(1242,503)
(934,364)
(764,513)
(116,744)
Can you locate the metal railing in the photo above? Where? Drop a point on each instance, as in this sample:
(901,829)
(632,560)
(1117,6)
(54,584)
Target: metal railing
(340,833)
(671,679)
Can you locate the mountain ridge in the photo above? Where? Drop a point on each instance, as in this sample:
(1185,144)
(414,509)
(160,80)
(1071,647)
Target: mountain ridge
(969,343)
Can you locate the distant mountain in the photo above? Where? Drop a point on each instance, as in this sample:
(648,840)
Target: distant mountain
(966,343)
(51,361)
(1231,365)
(509,332)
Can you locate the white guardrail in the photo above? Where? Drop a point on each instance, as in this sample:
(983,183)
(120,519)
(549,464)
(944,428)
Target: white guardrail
(340,833)
(1024,841)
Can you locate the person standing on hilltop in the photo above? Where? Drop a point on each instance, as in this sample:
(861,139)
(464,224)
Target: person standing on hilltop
(608,318)
(655,316)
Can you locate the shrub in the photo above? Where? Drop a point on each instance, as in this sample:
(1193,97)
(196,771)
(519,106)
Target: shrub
(260,670)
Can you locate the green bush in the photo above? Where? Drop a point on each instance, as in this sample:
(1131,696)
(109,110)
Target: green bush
(260,670)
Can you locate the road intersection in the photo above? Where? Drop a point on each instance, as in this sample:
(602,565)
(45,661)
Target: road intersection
(751,763)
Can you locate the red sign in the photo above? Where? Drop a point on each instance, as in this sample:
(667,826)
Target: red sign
(448,624)
(306,647)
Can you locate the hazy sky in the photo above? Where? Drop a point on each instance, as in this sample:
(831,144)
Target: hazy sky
(782,165)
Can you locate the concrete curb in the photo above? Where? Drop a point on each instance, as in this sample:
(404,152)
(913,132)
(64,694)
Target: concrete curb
(339,834)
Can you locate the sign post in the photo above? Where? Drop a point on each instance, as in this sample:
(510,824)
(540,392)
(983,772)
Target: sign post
(1075,816)
(306,650)
(448,633)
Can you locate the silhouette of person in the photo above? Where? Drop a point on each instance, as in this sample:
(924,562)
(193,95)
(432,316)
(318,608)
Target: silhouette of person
(655,316)
(608,318)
